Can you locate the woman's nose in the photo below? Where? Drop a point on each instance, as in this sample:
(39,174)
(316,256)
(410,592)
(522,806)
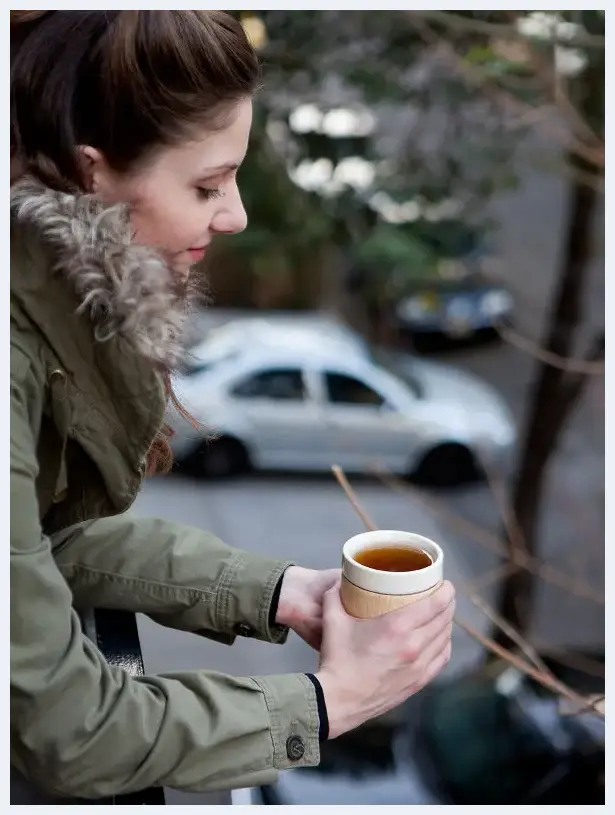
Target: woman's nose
(231,218)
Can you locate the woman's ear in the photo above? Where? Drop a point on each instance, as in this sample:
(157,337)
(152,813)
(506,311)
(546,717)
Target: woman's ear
(94,169)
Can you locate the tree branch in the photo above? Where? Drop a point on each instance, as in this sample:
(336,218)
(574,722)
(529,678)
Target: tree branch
(511,633)
(593,154)
(550,574)
(575,382)
(592,364)
(352,497)
(472,25)
(544,678)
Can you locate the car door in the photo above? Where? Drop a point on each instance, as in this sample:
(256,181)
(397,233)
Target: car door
(364,425)
(276,406)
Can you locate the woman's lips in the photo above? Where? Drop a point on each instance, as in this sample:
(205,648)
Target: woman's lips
(197,254)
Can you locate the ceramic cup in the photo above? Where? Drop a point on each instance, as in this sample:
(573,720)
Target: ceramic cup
(370,592)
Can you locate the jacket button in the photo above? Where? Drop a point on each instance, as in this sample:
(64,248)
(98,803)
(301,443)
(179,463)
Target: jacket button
(243,630)
(295,748)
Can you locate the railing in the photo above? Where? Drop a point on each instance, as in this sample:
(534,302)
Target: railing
(117,636)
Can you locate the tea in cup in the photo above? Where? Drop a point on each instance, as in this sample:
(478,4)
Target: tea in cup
(387,569)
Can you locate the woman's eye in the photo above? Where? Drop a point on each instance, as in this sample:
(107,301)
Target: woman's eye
(209,194)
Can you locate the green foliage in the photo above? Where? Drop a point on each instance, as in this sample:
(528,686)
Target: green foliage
(389,248)
(458,148)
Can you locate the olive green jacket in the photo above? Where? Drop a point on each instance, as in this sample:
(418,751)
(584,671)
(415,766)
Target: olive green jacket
(84,412)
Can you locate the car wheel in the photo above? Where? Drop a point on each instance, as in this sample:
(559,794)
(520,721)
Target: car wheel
(218,458)
(446,466)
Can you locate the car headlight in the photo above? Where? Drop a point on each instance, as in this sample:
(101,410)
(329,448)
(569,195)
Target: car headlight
(414,308)
(496,302)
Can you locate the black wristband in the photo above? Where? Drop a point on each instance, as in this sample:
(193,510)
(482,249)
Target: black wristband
(323,730)
(275,599)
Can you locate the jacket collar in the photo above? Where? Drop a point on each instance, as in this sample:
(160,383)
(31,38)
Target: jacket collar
(107,309)
(124,289)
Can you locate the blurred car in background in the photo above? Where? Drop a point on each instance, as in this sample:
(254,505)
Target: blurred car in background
(301,396)
(448,289)
(457,307)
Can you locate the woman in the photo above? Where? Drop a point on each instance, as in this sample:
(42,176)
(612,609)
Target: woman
(127,131)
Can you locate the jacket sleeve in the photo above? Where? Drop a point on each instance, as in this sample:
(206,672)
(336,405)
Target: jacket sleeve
(80,727)
(182,577)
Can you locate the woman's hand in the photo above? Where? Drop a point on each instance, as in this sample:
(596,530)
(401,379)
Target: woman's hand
(368,667)
(301,601)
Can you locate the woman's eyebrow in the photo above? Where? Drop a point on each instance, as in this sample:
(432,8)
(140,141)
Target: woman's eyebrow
(210,171)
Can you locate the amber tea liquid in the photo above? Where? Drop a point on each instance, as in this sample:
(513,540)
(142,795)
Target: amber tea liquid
(394,559)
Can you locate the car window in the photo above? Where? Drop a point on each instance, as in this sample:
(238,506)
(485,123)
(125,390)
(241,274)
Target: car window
(347,390)
(284,384)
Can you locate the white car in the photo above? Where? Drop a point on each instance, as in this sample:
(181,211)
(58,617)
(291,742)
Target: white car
(305,394)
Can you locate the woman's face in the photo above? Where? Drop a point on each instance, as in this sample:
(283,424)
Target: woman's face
(186,194)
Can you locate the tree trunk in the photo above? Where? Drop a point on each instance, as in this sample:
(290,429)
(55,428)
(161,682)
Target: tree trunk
(554,394)
(556,391)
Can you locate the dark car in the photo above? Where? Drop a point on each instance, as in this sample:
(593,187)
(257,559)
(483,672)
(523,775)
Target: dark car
(455,305)
(481,740)
(440,283)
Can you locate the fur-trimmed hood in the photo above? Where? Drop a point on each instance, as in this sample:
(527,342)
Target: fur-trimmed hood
(126,289)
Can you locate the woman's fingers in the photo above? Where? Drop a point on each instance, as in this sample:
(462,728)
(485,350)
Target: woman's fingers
(432,650)
(438,663)
(422,612)
(425,636)
(370,666)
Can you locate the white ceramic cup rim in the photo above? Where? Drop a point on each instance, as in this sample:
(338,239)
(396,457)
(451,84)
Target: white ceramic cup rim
(396,583)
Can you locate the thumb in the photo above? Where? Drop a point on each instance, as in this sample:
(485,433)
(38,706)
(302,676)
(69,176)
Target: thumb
(333,610)
(330,578)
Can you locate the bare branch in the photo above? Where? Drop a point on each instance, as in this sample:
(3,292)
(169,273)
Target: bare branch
(593,154)
(544,72)
(504,31)
(510,632)
(548,573)
(592,705)
(575,381)
(577,661)
(563,101)
(589,179)
(511,524)
(544,679)
(352,497)
(586,366)
(492,576)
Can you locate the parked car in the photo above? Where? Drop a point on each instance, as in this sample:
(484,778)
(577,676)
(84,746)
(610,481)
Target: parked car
(303,395)
(457,307)
(452,295)
(477,740)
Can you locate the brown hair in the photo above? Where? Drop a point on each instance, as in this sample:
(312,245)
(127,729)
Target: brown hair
(127,83)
